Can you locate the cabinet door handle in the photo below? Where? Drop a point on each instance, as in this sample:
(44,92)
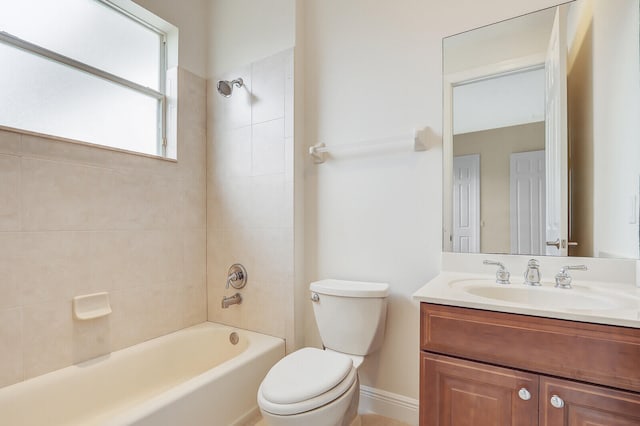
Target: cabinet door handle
(556,401)
(524,394)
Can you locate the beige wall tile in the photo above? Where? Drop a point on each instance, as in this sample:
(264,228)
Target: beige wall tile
(269,206)
(11,343)
(230,202)
(137,200)
(10,202)
(268,87)
(99,220)
(184,305)
(195,261)
(268,255)
(138,315)
(250,209)
(235,111)
(10,251)
(48,337)
(44,148)
(53,265)
(90,339)
(193,204)
(231,152)
(9,142)
(122,259)
(289,95)
(267,148)
(62,196)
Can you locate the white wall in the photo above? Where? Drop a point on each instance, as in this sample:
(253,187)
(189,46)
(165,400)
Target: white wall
(616,83)
(243,31)
(374,69)
(525,37)
(190,16)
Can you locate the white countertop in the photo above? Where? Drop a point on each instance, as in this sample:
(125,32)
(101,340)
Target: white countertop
(448,288)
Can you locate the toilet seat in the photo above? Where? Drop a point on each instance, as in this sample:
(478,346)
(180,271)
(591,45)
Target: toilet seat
(304,380)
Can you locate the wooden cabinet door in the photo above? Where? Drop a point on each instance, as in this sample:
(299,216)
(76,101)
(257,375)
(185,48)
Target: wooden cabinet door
(579,404)
(456,392)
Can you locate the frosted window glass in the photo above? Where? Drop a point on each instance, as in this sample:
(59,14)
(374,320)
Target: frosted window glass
(45,97)
(90,32)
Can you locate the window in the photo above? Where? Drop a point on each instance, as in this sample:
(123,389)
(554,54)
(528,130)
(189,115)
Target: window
(84,70)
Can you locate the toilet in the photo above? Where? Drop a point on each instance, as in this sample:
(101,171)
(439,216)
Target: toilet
(315,387)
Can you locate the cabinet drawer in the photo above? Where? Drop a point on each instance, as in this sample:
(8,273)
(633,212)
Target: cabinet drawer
(594,353)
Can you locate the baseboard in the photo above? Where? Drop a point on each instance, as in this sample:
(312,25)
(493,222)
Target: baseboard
(249,418)
(388,404)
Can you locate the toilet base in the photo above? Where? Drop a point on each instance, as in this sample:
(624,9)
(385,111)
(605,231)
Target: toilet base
(340,412)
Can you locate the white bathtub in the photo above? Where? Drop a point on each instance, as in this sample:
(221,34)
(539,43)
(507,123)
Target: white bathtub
(191,377)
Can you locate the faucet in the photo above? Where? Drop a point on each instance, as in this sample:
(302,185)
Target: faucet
(502,275)
(532,275)
(227,301)
(563,279)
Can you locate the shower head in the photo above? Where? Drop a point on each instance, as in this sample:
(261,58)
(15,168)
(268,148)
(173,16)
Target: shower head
(225,87)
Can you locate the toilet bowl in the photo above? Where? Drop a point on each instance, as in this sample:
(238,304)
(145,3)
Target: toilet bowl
(315,387)
(310,387)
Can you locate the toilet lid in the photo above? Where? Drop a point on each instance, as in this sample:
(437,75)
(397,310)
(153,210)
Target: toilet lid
(305,374)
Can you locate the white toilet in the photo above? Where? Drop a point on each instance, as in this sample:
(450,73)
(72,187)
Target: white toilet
(313,387)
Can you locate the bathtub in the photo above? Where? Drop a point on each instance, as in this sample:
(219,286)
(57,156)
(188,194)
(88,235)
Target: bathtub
(192,377)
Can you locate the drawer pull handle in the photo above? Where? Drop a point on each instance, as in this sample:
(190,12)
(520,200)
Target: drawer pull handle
(524,394)
(556,401)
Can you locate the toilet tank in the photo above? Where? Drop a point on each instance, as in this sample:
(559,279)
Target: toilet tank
(351,315)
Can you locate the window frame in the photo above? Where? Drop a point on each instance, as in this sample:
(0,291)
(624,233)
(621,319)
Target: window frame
(159,95)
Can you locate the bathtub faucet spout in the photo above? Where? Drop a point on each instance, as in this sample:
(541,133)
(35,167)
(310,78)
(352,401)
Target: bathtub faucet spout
(236,299)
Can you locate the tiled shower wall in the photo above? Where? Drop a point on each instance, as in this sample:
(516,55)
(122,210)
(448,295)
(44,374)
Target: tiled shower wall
(76,219)
(250,196)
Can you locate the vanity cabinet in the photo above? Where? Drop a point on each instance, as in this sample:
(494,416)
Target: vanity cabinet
(491,368)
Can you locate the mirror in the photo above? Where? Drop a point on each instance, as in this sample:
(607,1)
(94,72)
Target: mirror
(541,133)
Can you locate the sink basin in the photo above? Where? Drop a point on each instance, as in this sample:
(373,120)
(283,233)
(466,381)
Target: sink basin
(579,298)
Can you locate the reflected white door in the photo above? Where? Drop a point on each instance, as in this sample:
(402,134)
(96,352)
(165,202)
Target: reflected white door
(557,203)
(466,204)
(527,203)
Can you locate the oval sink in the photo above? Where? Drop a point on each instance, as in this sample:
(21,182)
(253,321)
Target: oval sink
(545,297)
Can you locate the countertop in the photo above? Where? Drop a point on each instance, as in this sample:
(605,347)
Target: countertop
(440,290)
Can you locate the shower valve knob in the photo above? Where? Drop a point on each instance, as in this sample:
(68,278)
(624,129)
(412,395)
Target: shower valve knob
(237,276)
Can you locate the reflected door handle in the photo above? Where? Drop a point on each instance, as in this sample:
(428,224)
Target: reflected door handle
(555,244)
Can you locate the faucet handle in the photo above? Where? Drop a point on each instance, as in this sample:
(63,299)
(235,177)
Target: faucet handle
(502,275)
(237,276)
(532,275)
(563,279)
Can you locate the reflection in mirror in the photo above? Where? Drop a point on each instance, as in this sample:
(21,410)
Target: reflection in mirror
(542,133)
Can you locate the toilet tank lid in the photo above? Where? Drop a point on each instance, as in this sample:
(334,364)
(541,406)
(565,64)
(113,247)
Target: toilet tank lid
(344,288)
